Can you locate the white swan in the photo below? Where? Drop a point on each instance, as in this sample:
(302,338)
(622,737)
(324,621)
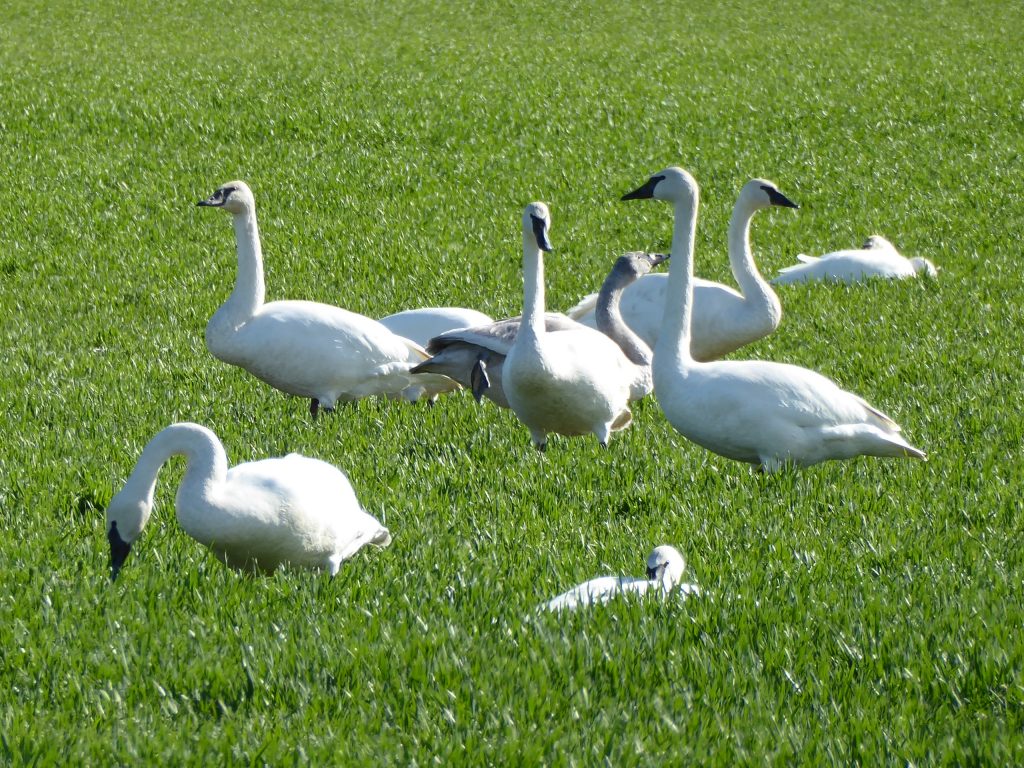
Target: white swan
(571,382)
(723,319)
(421,325)
(876,258)
(304,348)
(475,356)
(665,567)
(254,516)
(755,411)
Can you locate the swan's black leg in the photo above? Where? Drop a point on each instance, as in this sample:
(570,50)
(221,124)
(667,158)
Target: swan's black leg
(314,408)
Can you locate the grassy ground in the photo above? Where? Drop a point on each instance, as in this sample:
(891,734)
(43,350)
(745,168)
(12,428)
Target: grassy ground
(865,612)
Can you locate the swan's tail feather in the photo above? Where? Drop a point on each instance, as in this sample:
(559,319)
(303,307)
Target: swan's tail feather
(803,257)
(879,419)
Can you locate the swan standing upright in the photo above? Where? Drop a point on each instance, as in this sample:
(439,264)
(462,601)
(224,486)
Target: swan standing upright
(571,382)
(303,348)
(254,516)
(876,258)
(475,357)
(723,319)
(755,411)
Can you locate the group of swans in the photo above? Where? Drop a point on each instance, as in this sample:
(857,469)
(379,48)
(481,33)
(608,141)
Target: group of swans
(475,357)
(760,412)
(556,374)
(724,319)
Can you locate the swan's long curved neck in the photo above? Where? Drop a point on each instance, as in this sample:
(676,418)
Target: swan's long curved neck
(741,259)
(249,292)
(609,320)
(532,326)
(207,463)
(674,339)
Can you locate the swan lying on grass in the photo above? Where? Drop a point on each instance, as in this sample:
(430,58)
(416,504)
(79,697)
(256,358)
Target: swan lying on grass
(760,412)
(303,348)
(665,567)
(475,357)
(255,516)
(876,258)
(572,382)
(723,319)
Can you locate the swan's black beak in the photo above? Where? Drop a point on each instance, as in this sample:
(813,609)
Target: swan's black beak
(658,258)
(646,192)
(218,198)
(652,574)
(777,198)
(540,231)
(119,550)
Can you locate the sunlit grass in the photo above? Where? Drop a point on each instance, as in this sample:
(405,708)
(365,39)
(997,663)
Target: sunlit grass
(864,612)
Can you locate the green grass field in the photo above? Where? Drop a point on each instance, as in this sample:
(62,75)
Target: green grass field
(865,612)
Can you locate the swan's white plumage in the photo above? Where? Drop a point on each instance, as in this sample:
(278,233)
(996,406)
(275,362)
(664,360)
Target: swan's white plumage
(257,515)
(755,411)
(724,319)
(421,325)
(571,382)
(665,568)
(303,348)
(877,258)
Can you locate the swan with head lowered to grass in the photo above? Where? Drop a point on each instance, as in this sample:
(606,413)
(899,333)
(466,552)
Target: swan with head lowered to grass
(756,411)
(255,516)
(303,348)
(475,357)
(572,382)
(876,258)
(665,568)
(724,319)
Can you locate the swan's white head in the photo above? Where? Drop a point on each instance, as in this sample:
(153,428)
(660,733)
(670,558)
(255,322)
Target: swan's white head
(923,265)
(235,197)
(537,223)
(666,565)
(761,193)
(127,515)
(672,184)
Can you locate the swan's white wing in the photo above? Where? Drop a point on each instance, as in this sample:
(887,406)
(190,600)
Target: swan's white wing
(421,325)
(596,591)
